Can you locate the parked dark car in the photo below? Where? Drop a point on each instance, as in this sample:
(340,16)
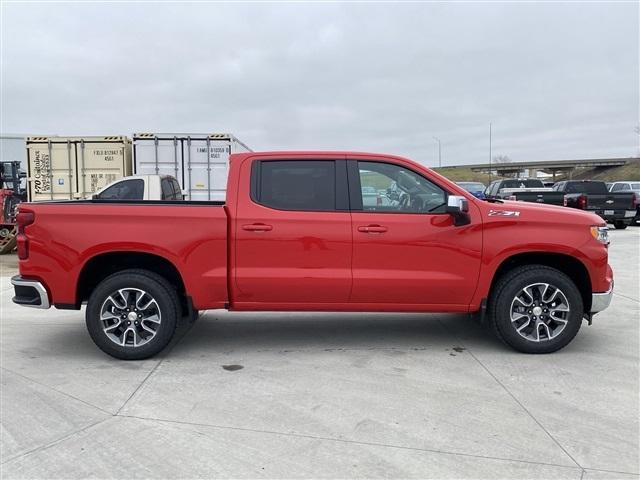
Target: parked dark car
(526,190)
(619,208)
(474,188)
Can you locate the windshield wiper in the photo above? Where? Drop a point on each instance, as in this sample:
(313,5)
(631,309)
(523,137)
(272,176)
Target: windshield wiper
(493,200)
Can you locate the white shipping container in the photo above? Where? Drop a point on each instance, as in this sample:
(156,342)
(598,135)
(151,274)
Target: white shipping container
(200,162)
(74,167)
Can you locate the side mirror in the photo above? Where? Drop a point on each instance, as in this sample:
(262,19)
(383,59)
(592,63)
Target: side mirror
(458,208)
(95,196)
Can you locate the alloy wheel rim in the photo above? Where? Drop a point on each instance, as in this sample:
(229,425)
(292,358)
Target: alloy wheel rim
(540,312)
(130,317)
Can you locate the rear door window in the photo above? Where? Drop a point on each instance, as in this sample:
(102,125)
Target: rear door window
(126,190)
(587,187)
(308,185)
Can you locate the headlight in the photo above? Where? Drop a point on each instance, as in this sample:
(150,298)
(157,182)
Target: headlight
(600,233)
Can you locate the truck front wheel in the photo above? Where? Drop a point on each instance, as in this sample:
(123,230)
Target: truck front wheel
(620,225)
(132,314)
(536,309)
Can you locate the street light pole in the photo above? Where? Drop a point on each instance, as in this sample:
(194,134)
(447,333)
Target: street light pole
(439,151)
(489,152)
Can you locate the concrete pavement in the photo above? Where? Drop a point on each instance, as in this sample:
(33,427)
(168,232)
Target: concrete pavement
(323,395)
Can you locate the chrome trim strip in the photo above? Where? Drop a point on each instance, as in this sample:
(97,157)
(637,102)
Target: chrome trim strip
(42,292)
(600,301)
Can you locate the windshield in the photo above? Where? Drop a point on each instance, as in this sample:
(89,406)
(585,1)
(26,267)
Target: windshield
(472,186)
(521,184)
(586,187)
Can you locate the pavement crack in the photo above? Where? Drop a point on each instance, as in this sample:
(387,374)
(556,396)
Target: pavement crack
(343,440)
(57,391)
(144,380)
(54,442)
(515,399)
(164,356)
(626,296)
(587,469)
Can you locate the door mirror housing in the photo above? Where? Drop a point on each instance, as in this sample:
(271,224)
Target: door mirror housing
(458,208)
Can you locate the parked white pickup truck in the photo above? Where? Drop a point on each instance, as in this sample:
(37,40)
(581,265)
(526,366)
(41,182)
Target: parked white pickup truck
(141,187)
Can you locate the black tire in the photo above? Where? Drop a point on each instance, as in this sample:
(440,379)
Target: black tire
(167,307)
(191,318)
(510,285)
(620,225)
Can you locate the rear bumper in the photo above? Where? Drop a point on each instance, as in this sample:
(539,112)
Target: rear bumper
(600,301)
(29,293)
(617,215)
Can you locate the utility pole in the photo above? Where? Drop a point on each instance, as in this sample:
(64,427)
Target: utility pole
(489,152)
(439,151)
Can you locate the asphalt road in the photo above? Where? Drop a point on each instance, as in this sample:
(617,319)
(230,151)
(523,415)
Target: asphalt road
(323,395)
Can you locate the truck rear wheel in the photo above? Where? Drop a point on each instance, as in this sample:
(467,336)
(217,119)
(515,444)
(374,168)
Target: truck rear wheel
(132,314)
(536,309)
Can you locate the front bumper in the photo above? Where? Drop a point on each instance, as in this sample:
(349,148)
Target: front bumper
(600,301)
(29,293)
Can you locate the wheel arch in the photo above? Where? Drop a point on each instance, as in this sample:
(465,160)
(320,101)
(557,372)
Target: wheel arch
(99,267)
(567,264)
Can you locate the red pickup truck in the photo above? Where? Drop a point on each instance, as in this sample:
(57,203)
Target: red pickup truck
(316,231)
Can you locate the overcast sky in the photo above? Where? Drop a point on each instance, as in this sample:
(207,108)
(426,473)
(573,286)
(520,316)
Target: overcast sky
(556,80)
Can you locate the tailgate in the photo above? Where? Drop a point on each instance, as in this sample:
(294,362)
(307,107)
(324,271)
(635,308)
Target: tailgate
(610,201)
(619,201)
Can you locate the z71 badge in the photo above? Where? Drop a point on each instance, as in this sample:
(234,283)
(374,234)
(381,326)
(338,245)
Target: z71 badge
(504,213)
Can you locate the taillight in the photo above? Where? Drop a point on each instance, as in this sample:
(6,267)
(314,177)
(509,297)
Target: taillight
(23,219)
(634,200)
(565,201)
(582,202)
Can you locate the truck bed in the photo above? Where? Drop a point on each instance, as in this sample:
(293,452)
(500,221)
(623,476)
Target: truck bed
(211,203)
(66,237)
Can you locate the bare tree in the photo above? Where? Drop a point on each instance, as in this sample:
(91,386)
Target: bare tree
(501,159)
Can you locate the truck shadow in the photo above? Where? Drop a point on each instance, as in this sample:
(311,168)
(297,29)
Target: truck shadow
(282,332)
(222,332)
(288,332)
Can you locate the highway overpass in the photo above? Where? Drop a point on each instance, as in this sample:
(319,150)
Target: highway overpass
(547,166)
